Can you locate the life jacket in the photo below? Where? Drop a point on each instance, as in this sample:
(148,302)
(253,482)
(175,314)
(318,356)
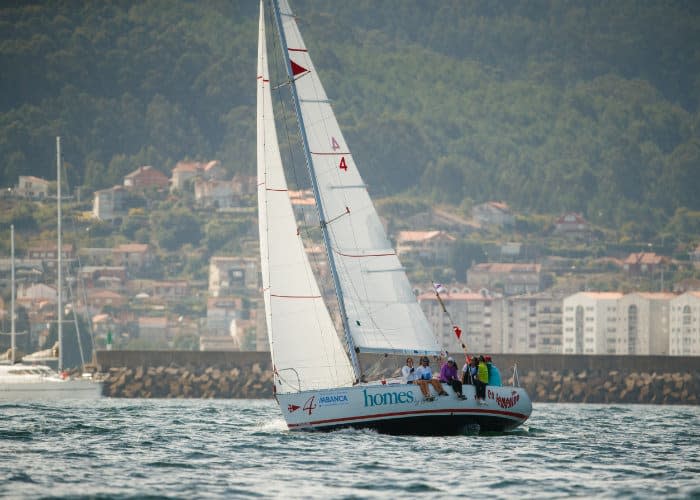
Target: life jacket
(483,374)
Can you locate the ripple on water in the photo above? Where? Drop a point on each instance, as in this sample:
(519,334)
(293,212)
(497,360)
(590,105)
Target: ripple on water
(242,449)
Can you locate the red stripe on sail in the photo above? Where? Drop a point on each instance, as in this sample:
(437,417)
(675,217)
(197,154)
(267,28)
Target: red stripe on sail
(365,255)
(295,296)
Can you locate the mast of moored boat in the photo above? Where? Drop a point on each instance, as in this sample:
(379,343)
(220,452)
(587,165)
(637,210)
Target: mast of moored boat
(13,341)
(59,250)
(319,204)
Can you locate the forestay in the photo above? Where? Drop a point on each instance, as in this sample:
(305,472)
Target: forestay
(382,311)
(305,348)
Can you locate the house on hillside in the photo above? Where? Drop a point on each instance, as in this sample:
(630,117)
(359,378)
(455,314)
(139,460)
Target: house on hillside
(32,187)
(431,247)
(642,263)
(572,225)
(45,251)
(213,193)
(133,256)
(103,277)
(145,177)
(493,213)
(97,299)
(169,289)
(108,204)
(514,278)
(186,170)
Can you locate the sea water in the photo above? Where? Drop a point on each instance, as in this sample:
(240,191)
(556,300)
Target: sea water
(121,448)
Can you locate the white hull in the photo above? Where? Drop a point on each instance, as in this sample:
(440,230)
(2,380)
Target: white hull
(402,409)
(26,382)
(68,389)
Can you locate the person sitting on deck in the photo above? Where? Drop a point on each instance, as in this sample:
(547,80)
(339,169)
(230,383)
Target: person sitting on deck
(448,375)
(408,372)
(482,380)
(494,372)
(425,377)
(468,371)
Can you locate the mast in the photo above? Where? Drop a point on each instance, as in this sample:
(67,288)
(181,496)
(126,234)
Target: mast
(319,205)
(60,256)
(13,345)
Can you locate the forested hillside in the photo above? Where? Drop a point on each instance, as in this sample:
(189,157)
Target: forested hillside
(590,106)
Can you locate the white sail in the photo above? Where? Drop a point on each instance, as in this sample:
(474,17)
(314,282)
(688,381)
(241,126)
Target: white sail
(382,312)
(305,348)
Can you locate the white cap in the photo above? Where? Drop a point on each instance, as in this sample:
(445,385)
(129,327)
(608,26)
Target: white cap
(451,359)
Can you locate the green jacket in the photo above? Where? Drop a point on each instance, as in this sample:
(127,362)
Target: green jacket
(483,373)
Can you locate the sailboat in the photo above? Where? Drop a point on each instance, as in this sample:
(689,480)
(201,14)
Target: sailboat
(318,380)
(40,381)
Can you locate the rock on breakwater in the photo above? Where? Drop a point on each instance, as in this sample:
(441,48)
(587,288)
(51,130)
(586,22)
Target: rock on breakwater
(612,387)
(188,382)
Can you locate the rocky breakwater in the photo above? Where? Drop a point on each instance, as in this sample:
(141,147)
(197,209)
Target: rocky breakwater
(613,386)
(620,379)
(188,382)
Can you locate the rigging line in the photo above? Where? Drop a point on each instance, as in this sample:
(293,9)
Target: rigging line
(347,212)
(79,280)
(314,259)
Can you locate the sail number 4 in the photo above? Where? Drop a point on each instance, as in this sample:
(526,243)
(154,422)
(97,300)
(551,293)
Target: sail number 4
(342,165)
(310,405)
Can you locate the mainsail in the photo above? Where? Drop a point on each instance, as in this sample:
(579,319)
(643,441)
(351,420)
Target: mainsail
(382,314)
(305,348)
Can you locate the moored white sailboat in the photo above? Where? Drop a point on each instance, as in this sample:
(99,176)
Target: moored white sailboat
(319,382)
(39,381)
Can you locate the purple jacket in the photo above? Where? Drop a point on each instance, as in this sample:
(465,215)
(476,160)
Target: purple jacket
(448,372)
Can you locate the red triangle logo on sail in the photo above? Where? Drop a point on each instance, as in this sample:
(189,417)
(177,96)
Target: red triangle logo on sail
(292,408)
(296,69)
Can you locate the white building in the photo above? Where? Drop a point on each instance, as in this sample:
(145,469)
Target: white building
(590,323)
(108,204)
(533,324)
(684,319)
(643,324)
(32,187)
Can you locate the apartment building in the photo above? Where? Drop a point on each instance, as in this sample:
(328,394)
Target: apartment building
(533,324)
(590,323)
(684,319)
(643,324)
